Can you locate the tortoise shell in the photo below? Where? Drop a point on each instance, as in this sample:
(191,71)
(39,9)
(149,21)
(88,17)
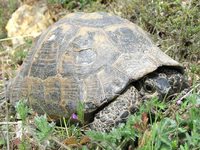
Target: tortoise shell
(85,57)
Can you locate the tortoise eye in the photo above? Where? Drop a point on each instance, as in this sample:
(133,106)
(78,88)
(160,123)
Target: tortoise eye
(149,87)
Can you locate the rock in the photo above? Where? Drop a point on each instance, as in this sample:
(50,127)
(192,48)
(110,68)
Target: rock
(28,20)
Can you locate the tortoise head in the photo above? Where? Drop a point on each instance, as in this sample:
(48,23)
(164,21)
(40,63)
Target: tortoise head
(162,85)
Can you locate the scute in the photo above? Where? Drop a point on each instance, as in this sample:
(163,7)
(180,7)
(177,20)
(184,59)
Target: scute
(136,65)
(48,52)
(130,40)
(98,20)
(85,57)
(113,82)
(87,53)
(93,92)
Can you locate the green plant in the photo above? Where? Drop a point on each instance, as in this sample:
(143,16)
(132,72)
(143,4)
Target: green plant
(2,141)
(192,137)
(73,4)
(19,56)
(80,112)
(44,129)
(20,52)
(182,132)
(117,138)
(22,109)
(154,108)
(160,135)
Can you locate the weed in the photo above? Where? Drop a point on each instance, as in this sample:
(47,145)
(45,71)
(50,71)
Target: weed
(44,129)
(18,56)
(22,109)
(2,141)
(80,112)
(73,4)
(117,138)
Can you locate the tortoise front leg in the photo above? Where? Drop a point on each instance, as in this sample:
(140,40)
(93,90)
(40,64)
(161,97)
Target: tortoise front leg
(117,111)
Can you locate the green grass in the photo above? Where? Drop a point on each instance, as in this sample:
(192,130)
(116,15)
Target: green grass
(79,5)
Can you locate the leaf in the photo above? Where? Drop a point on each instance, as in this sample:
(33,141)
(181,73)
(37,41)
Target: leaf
(166,141)
(84,140)
(182,130)
(71,141)
(80,112)
(22,110)
(16,141)
(142,125)
(144,119)
(2,141)
(144,139)
(44,127)
(137,126)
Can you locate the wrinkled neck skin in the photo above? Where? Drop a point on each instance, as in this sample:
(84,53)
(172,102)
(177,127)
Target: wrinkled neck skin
(164,83)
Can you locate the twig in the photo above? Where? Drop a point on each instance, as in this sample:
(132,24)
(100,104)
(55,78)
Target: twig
(63,145)
(16,37)
(3,102)
(8,123)
(7,127)
(7,117)
(188,93)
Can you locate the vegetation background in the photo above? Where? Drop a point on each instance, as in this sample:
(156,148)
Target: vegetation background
(174,25)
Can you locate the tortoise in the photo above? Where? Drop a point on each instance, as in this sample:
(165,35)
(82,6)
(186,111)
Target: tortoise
(105,62)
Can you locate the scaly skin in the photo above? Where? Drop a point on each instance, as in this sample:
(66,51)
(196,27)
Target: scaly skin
(118,111)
